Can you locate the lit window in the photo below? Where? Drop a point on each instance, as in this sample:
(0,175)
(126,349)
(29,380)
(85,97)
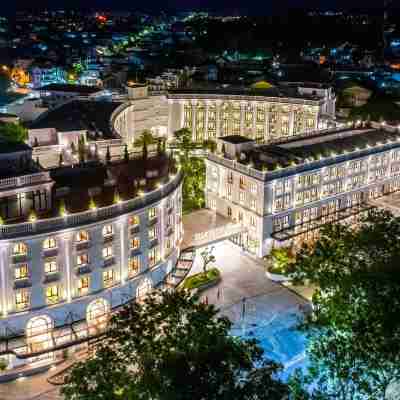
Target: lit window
(83,286)
(82,259)
(241,196)
(20,249)
(107,230)
(133,266)
(152,213)
(82,236)
(134,220)
(169,244)
(108,278)
(152,233)
(49,243)
(21,271)
(253,188)
(135,243)
(50,267)
(242,183)
(107,252)
(22,300)
(52,294)
(154,256)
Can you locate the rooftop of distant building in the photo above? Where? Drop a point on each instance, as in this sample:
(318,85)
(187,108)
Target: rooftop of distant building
(70,88)
(78,115)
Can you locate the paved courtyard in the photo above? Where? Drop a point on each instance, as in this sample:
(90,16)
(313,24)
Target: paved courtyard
(242,277)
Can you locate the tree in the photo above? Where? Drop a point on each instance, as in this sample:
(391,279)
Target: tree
(13,132)
(172,347)
(207,256)
(126,153)
(354,329)
(210,145)
(184,142)
(145,139)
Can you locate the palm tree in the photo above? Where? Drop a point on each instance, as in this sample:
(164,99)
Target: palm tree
(145,139)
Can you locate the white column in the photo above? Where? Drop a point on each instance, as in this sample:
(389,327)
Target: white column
(162,229)
(194,120)
(205,136)
(218,118)
(291,122)
(266,132)
(242,111)
(254,108)
(3,277)
(123,259)
(67,239)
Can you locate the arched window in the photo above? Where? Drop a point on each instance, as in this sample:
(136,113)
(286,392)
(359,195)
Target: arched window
(144,287)
(20,249)
(38,333)
(50,243)
(97,315)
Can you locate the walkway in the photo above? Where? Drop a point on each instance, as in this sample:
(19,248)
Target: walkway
(205,227)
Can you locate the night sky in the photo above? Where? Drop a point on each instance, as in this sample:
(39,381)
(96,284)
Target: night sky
(253,7)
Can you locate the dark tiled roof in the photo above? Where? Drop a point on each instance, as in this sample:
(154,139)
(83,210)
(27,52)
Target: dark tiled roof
(61,87)
(235,139)
(79,115)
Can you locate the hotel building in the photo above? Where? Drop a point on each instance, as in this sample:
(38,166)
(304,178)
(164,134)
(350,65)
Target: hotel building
(262,115)
(77,242)
(284,192)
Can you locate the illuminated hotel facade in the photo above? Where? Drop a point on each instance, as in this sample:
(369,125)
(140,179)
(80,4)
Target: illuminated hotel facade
(262,116)
(65,267)
(284,193)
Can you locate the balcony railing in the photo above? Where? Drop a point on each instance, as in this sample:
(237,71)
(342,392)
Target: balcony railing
(90,216)
(24,180)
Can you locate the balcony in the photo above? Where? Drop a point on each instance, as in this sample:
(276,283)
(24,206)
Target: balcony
(52,252)
(83,270)
(153,242)
(134,229)
(18,258)
(108,238)
(108,262)
(135,252)
(51,277)
(82,245)
(152,221)
(22,283)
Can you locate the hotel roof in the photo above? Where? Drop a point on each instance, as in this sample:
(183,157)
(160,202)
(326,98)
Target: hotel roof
(78,115)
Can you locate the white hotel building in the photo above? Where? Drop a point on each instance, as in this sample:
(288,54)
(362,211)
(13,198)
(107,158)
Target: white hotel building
(284,192)
(99,236)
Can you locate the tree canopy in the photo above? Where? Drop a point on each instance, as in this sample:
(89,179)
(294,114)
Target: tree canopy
(172,347)
(354,328)
(13,133)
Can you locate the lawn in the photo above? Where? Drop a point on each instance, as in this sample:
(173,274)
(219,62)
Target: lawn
(201,279)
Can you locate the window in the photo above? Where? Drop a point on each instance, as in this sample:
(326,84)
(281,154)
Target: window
(133,266)
(169,244)
(108,230)
(152,213)
(107,252)
(242,183)
(21,271)
(252,221)
(230,177)
(229,212)
(253,188)
(20,249)
(82,259)
(253,204)
(83,286)
(154,256)
(97,313)
(22,300)
(153,233)
(82,236)
(241,196)
(135,243)
(49,243)
(134,220)
(50,267)
(108,278)
(240,216)
(229,191)
(52,294)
